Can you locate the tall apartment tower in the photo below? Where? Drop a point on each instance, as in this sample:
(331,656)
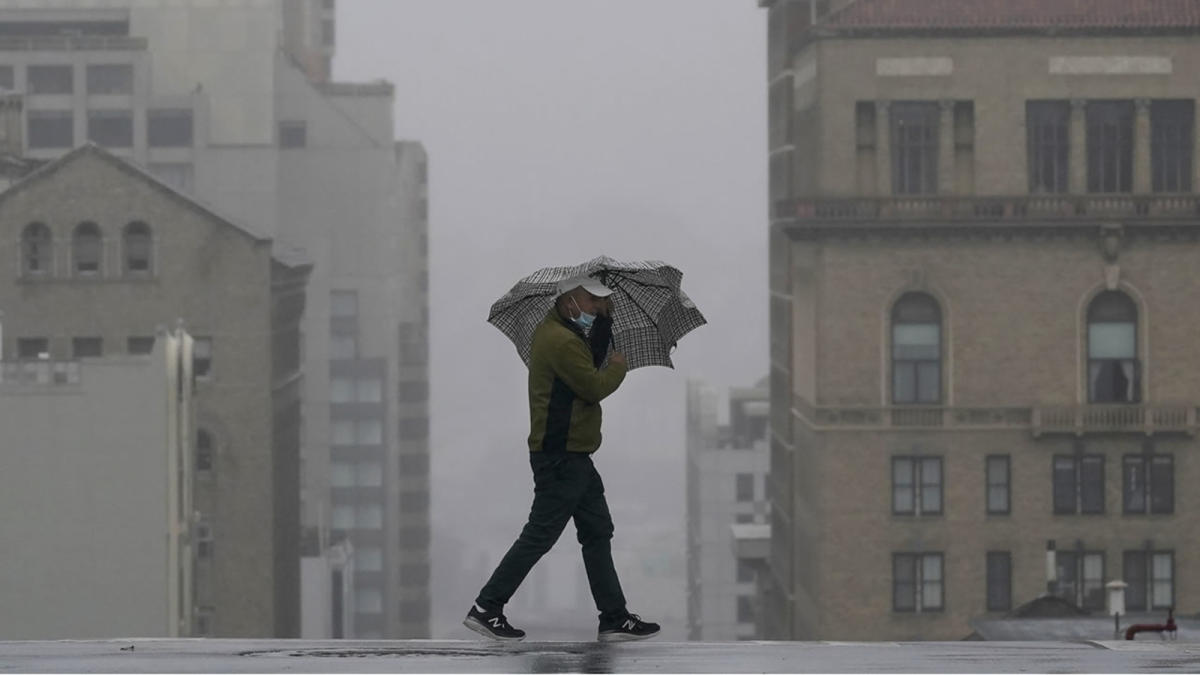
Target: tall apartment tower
(727,467)
(233,104)
(984,235)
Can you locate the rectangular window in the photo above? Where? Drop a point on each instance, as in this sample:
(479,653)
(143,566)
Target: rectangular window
(6,78)
(370,432)
(1078,484)
(1047,141)
(202,354)
(745,572)
(204,541)
(50,80)
(341,474)
(343,304)
(414,392)
(111,128)
(999,581)
(368,601)
(1110,146)
(180,176)
(1172,125)
(1081,578)
(745,487)
(169,128)
(1148,483)
(368,517)
(368,559)
(370,390)
(342,432)
(341,390)
(51,128)
(140,345)
(114,78)
(87,347)
(998,490)
(917,582)
(914,129)
(745,609)
(343,347)
(917,485)
(293,134)
(32,348)
(368,474)
(1150,576)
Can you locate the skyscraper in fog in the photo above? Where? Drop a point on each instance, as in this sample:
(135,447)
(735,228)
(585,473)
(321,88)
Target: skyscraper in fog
(234,104)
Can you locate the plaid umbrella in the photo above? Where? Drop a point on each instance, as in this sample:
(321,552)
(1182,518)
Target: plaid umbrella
(650,311)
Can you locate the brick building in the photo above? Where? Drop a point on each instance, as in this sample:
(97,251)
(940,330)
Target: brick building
(984,237)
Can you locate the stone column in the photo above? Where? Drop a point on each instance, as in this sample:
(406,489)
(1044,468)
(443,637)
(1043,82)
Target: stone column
(883,149)
(945,167)
(1141,146)
(1077,139)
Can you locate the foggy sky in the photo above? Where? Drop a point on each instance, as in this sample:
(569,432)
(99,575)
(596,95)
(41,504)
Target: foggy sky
(559,130)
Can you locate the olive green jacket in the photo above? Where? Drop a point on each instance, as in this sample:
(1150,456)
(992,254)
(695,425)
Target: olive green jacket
(565,389)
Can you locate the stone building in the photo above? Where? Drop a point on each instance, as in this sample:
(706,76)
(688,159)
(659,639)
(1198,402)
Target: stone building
(95,255)
(983,247)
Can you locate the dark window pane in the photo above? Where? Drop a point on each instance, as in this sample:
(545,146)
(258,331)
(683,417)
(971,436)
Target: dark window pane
(32,348)
(1064,484)
(929,382)
(137,244)
(904,575)
(87,347)
(110,79)
(6,77)
(202,354)
(745,487)
(1067,571)
(914,128)
(86,248)
(169,128)
(1091,478)
(1162,484)
(997,484)
(140,345)
(931,485)
(999,581)
(51,128)
(1093,581)
(1110,146)
(36,249)
(903,488)
(931,581)
(904,382)
(1133,484)
(1048,143)
(50,80)
(1162,580)
(1171,145)
(1134,564)
(111,128)
(293,134)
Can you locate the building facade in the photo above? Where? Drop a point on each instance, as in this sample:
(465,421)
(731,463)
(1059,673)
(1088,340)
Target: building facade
(726,487)
(984,230)
(234,104)
(97,254)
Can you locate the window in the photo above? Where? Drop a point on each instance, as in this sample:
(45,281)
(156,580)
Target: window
(202,355)
(917,485)
(342,432)
(998,491)
(6,78)
(1047,138)
(745,609)
(917,582)
(914,147)
(999,581)
(169,128)
(343,304)
(368,474)
(916,350)
(343,346)
(341,474)
(50,80)
(140,345)
(204,622)
(204,541)
(414,392)
(136,242)
(179,176)
(1151,577)
(293,134)
(204,451)
(1078,484)
(36,249)
(1171,145)
(369,516)
(86,248)
(341,390)
(414,502)
(1110,146)
(1148,483)
(370,390)
(32,348)
(370,432)
(745,572)
(343,517)
(1113,367)
(414,428)
(1080,578)
(110,79)
(87,347)
(368,601)
(745,487)
(743,518)
(51,128)
(111,128)
(368,559)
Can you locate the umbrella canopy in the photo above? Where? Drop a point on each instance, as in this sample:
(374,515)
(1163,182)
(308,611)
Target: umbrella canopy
(650,311)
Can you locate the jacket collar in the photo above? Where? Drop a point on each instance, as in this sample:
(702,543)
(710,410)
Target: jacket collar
(570,325)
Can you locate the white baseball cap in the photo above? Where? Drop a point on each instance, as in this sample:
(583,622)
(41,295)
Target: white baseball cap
(589,284)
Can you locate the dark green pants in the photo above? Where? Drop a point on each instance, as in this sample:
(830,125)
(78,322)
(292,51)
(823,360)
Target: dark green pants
(566,485)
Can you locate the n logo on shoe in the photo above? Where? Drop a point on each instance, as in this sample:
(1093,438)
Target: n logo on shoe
(495,622)
(628,624)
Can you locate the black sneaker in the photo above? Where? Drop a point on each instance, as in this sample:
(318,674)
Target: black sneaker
(628,627)
(492,625)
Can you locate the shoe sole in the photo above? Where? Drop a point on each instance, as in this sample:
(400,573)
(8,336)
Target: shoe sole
(477,626)
(623,637)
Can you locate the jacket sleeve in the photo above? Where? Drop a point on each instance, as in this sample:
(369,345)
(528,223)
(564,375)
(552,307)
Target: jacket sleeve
(572,362)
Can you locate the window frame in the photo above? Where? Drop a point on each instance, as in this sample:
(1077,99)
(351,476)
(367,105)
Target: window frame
(1110,165)
(1145,462)
(919,485)
(1172,145)
(1078,485)
(80,245)
(33,235)
(1095,309)
(1048,146)
(989,484)
(912,299)
(132,233)
(914,137)
(990,585)
(1145,558)
(918,582)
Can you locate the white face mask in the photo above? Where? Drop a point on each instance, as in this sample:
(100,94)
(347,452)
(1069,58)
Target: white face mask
(584,320)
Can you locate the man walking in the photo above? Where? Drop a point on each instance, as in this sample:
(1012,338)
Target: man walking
(565,390)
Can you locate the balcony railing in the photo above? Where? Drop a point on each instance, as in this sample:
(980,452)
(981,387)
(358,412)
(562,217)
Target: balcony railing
(1039,420)
(991,209)
(38,372)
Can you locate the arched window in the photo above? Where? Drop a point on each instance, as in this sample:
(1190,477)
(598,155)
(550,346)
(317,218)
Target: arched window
(36,249)
(204,451)
(137,245)
(86,248)
(916,350)
(1114,372)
